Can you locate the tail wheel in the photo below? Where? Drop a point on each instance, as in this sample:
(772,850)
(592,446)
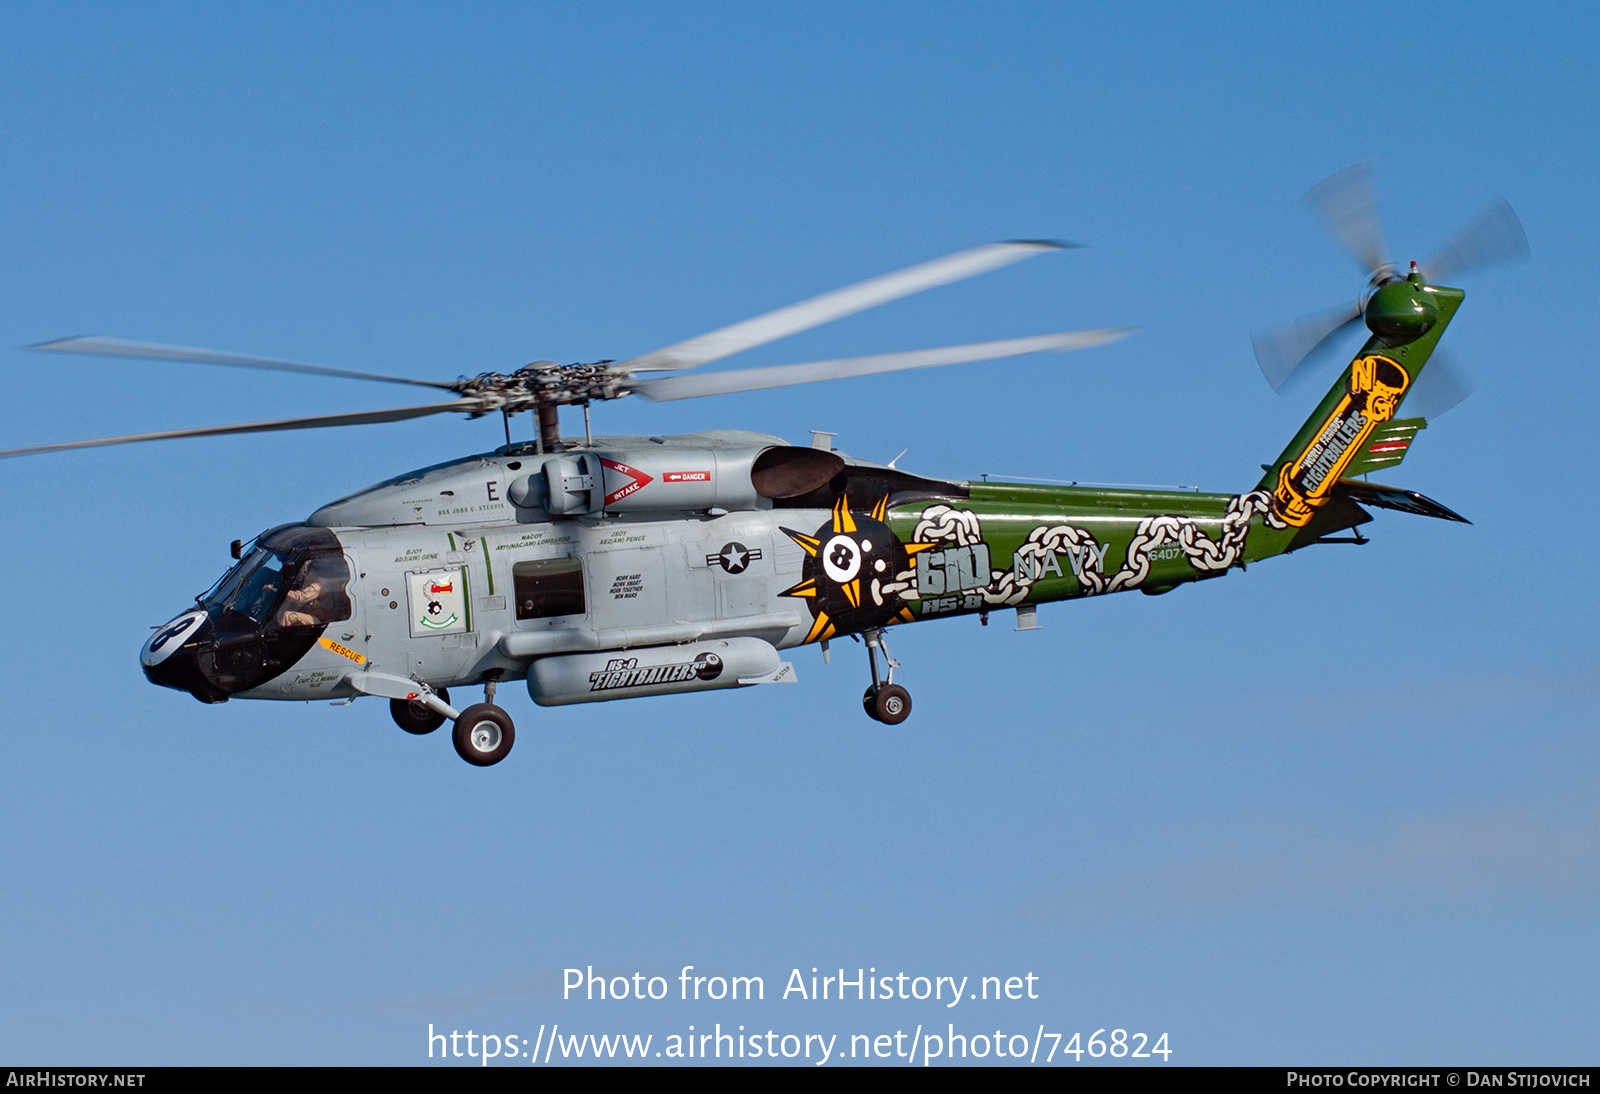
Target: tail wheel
(484,735)
(415,717)
(892,704)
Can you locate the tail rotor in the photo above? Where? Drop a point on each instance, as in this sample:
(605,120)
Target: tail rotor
(1346,203)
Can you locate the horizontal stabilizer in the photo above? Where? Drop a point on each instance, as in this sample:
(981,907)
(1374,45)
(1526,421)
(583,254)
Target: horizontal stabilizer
(1386,447)
(1390,497)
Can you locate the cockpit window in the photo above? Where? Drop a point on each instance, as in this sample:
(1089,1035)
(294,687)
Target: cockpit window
(228,583)
(318,595)
(255,589)
(255,595)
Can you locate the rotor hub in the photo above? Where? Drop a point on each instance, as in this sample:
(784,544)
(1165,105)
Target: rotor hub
(1381,276)
(1400,311)
(541,384)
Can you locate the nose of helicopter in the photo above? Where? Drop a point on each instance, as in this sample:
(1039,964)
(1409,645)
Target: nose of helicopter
(171,655)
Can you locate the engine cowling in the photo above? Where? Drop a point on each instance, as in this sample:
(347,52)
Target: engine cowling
(633,480)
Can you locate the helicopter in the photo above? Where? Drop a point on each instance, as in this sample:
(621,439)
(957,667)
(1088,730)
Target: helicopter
(633,566)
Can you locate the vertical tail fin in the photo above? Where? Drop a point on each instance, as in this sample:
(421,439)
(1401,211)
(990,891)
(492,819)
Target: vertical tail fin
(1406,318)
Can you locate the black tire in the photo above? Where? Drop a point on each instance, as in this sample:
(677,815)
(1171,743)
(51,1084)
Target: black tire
(484,735)
(868,703)
(415,717)
(892,704)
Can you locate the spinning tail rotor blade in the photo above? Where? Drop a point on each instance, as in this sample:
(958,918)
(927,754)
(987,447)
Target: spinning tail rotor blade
(1289,351)
(836,305)
(321,422)
(1496,236)
(1347,204)
(1440,388)
(118,347)
(755,379)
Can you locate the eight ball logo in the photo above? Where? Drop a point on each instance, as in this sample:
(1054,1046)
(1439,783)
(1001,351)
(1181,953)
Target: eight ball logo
(848,563)
(169,638)
(841,558)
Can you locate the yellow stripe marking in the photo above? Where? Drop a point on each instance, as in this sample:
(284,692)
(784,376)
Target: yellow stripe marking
(342,651)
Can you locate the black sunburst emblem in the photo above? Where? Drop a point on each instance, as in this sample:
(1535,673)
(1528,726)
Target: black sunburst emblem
(848,562)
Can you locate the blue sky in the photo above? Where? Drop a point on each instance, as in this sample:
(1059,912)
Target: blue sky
(1339,808)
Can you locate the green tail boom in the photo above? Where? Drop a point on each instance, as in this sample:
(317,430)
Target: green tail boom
(994,545)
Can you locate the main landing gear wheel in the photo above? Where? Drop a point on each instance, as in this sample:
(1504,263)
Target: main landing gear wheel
(891,705)
(484,734)
(885,701)
(415,717)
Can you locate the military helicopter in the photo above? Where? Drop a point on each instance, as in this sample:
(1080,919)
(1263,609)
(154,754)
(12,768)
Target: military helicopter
(623,567)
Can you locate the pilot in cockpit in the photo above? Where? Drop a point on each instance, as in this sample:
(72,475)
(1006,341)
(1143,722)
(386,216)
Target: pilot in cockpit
(312,600)
(300,605)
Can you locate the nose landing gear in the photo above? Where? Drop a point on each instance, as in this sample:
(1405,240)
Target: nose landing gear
(885,701)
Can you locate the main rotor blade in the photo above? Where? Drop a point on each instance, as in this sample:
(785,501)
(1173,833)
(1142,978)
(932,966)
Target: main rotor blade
(1496,236)
(836,305)
(321,422)
(1442,385)
(118,347)
(755,379)
(1283,352)
(1347,204)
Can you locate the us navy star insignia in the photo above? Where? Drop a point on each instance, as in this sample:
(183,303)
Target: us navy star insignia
(734,558)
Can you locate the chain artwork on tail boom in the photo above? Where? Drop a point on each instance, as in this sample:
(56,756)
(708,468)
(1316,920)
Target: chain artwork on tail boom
(1046,545)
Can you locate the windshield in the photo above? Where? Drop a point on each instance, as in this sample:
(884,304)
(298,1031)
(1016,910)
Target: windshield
(255,594)
(316,595)
(250,587)
(229,582)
